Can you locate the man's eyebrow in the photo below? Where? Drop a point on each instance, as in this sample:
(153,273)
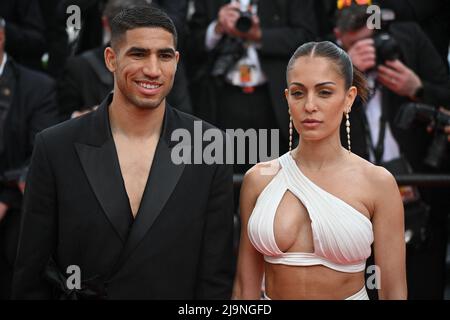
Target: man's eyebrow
(167,50)
(138,50)
(317,85)
(146,51)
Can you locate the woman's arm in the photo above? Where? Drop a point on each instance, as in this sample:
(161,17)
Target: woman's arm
(389,239)
(250,264)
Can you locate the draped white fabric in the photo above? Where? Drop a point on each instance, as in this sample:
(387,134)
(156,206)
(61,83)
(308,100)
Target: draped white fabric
(342,235)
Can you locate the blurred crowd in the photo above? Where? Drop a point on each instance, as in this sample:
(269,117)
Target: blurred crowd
(232,73)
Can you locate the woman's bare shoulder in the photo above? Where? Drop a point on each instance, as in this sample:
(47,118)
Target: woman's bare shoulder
(259,176)
(376,176)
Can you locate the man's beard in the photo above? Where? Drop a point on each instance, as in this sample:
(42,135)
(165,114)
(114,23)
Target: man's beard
(143,103)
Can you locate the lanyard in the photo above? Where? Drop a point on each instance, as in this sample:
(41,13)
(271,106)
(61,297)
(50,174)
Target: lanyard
(377,149)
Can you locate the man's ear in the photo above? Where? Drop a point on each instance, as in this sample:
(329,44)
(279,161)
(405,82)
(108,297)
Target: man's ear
(177,58)
(110,59)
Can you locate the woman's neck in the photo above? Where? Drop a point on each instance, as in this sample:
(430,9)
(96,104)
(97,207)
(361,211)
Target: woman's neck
(316,155)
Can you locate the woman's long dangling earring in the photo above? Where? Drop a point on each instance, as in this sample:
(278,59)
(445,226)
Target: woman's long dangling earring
(347,125)
(290,133)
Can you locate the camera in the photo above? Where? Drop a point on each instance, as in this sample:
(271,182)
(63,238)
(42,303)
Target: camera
(410,112)
(386,47)
(227,53)
(244,23)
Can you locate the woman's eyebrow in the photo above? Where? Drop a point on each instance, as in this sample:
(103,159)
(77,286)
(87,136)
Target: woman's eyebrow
(317,85)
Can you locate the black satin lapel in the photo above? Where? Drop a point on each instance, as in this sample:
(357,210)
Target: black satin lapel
(103,172)
(164,176)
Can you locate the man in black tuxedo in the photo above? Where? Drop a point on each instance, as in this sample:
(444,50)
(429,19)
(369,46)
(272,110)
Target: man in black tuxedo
(27,106)
(105,196)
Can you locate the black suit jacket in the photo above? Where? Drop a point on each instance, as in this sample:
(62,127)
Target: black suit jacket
(33,108)
(285,26)
(77,211)
(419,55)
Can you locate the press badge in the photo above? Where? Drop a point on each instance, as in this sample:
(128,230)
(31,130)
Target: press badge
(245,73)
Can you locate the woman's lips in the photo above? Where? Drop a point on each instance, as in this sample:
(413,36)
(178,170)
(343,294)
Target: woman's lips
(311,123)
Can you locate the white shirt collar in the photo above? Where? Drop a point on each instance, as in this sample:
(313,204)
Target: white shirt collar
(2,66)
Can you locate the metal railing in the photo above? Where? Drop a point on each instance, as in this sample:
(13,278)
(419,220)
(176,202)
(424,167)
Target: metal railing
(420,180)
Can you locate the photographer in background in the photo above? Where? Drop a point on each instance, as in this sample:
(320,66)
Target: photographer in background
(402,66)
(27,106)
(245,47)
(433,16)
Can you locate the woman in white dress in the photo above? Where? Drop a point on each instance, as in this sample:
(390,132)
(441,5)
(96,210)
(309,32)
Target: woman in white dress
(309,218)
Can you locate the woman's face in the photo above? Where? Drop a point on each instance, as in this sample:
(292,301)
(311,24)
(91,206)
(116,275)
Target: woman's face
(317,97)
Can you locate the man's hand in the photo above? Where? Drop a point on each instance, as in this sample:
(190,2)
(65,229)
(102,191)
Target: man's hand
(226,23)
(362,54)
(226,19)
(255,33)
(399,78)
(3,209)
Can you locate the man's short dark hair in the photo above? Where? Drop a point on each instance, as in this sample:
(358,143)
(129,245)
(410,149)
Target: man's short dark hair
(352,18)
(140,17)
(113,7)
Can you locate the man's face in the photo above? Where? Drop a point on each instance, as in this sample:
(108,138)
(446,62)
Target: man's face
(144,63)
(349,38)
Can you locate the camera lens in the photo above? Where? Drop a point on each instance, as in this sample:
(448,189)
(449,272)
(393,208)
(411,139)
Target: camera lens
(244,22)
(386,48)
